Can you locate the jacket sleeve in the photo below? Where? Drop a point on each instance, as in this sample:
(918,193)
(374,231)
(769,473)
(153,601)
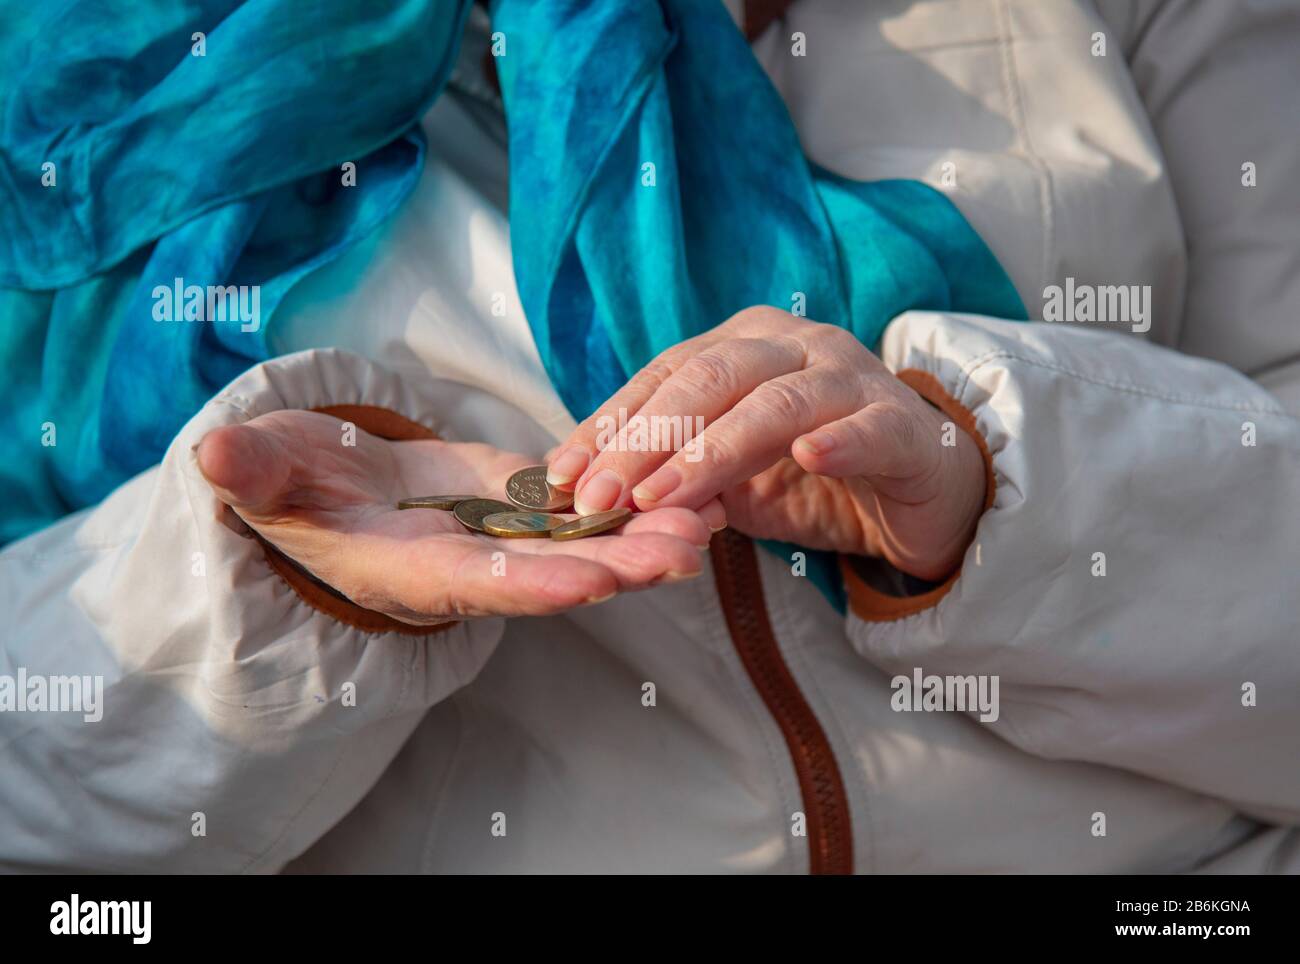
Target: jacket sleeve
(1132,586)
(1217,81)
(237,720)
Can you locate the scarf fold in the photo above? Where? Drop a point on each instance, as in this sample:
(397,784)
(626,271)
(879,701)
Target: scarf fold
(145,141)
(657,186)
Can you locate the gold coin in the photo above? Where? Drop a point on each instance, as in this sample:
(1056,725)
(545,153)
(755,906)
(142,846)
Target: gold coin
(592,525)
(472,512)
(529,489)
(446,502)
(521,525)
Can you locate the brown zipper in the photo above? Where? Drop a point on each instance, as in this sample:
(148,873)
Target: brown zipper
(826,805)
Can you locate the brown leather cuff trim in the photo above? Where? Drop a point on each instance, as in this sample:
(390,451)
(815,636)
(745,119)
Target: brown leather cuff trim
(873,606)
(384,423)
(324,599)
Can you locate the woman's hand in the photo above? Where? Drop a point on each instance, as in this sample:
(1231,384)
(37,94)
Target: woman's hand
(809,439)
(333,509)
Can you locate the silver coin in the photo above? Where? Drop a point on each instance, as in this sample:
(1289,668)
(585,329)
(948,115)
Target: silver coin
(529,489)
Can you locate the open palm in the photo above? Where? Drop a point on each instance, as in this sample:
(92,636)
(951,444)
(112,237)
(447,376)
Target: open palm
(332,508)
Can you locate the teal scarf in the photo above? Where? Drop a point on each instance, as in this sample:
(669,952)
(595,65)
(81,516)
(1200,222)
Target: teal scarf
(657,187)
(134,153)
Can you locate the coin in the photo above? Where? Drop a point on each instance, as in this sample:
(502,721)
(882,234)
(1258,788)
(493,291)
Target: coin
(472,512)
(447,502)
(521,525)
(529,489)
(592,525)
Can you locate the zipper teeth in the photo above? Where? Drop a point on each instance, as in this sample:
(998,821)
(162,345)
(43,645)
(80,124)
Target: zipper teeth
(830,840)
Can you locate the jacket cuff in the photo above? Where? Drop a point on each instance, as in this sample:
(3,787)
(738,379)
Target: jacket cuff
(870,604)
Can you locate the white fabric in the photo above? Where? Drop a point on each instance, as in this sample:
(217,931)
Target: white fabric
(1052,155)
(1195,599)
(1216,80)
(1120,694)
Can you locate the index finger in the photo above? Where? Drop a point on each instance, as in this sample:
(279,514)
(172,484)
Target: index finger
(572,456)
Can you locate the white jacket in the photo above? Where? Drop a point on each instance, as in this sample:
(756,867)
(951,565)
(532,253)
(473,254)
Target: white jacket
(773,744)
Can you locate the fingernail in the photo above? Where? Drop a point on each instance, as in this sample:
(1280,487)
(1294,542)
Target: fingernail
(599,493)
(570,464)
(714,516)
(593,600)
(658,485)
(673,575)
(818,443)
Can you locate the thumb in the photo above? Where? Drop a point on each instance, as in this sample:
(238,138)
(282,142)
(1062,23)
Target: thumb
(248,467)
(884,441)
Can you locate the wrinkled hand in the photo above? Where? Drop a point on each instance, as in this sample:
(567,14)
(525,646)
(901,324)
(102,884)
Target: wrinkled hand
(333,509)
(809,439)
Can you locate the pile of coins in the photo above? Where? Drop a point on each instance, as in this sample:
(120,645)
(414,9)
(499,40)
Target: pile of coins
(533,514)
